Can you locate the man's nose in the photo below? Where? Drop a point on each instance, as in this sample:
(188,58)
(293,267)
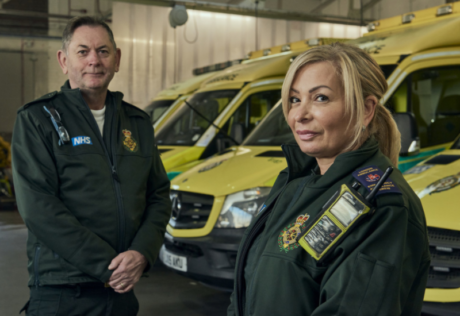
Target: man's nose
(93,58)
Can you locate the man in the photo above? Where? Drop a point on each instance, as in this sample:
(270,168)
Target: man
(90,185)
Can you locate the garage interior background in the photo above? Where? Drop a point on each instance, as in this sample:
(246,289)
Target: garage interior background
(155,55)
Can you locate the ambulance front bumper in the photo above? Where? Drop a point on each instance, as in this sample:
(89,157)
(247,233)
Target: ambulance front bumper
(209,260)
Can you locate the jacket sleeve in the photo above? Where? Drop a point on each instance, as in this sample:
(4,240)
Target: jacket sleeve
(382,269)
(45,215)
(149,237)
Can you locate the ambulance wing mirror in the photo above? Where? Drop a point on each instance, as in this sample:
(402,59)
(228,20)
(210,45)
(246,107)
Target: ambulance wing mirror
(407,125)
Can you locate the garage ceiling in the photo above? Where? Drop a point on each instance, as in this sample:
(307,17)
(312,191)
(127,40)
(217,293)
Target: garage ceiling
(333,11)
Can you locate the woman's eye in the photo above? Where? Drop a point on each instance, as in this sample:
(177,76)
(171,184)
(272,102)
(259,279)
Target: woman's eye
(294,100)
(322,98)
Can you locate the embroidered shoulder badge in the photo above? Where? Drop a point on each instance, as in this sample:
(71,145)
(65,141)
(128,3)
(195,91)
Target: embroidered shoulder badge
(287,237)
(129,142)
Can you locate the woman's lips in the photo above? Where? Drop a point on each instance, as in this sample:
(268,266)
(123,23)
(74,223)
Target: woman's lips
(306,134)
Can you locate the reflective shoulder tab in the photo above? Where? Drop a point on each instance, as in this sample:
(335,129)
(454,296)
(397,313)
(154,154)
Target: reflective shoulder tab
(369,176)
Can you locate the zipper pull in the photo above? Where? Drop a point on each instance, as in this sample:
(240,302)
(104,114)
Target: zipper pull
(115,174)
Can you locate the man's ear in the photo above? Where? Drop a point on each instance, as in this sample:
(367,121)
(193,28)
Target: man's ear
(370,103)
(117,59)
(62,59)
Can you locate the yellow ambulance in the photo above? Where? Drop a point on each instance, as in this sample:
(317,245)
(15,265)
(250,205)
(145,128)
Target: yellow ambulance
(227,107)
(215,201)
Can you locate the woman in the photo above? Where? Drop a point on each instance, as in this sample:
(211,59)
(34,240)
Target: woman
(344,135)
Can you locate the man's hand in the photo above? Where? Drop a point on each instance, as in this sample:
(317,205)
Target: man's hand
(128,267)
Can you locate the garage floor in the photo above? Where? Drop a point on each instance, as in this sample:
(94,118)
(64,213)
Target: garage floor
(162,293)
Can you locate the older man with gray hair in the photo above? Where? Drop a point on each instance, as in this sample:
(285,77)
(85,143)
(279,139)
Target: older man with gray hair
(90,185)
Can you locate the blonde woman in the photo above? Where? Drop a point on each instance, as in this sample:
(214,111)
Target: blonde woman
(343,136)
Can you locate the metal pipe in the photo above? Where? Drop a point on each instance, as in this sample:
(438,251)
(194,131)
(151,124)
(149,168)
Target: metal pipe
(34,14)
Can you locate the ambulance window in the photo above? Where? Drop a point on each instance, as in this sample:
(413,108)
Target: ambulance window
(434,99)
(250,113)
(274,131)
(435,102)
(188,124)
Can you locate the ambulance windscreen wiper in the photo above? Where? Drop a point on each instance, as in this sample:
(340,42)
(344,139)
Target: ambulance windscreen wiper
(212,123)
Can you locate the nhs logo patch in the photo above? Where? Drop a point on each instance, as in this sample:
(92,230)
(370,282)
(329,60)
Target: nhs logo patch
(81,140)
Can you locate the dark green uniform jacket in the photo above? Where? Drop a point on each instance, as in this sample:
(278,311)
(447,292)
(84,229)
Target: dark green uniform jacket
(86,201)
(381,268)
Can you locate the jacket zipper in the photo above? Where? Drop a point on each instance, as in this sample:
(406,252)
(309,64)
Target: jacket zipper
(113,170)
(36,258)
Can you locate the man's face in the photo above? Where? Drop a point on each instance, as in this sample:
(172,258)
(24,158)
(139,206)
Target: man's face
(91,60)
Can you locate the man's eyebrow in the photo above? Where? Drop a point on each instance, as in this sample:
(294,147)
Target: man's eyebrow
(316,88)
(84,46)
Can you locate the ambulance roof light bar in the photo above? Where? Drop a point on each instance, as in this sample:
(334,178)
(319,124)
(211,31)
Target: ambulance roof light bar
(216,67)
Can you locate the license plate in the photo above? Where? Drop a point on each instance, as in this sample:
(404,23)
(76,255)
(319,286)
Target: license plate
(173,261)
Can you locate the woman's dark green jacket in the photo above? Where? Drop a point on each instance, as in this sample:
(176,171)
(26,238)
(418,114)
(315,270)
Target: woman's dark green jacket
(381,268)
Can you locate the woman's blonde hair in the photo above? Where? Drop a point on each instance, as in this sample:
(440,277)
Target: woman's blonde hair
(361,77)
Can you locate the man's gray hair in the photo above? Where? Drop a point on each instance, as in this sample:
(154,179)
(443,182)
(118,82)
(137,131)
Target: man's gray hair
(78,21)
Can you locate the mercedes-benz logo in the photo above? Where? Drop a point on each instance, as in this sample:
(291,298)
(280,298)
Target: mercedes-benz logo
(176,207)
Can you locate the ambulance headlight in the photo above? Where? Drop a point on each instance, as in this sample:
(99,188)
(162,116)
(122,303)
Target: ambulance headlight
(241,207)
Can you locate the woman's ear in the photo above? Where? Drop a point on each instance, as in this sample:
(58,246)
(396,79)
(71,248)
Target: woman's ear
(370,103)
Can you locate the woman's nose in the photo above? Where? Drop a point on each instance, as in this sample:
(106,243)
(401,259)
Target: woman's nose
(303,112)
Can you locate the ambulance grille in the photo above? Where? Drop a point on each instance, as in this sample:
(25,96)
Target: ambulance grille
(190,210)
(445,258)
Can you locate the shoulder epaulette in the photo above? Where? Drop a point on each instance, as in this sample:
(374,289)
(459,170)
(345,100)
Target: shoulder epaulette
(47,96)
(369,176)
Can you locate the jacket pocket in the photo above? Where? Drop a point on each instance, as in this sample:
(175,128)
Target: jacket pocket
(36,266)
(367,287)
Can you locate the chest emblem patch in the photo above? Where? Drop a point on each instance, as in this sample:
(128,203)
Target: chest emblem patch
(129,142)
(287,237)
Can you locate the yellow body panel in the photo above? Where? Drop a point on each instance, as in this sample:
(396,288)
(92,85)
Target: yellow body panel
(181,88)
(421,18)
(441,208)
(442,295)
(179,155)
(234,171)
(387,46)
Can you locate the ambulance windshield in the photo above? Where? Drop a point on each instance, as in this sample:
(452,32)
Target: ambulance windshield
(272,131)
(188,124)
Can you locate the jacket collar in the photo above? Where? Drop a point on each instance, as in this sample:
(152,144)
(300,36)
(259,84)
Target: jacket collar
(75,96)
(300,164)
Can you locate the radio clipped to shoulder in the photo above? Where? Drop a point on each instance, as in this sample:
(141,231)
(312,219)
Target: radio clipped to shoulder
(338,217)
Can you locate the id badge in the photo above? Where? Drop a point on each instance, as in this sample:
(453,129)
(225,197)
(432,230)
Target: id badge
(338,217)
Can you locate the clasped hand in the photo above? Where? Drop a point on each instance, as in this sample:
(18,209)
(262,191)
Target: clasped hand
(128,267)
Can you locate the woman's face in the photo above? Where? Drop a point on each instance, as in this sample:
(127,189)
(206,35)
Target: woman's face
(317,115)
